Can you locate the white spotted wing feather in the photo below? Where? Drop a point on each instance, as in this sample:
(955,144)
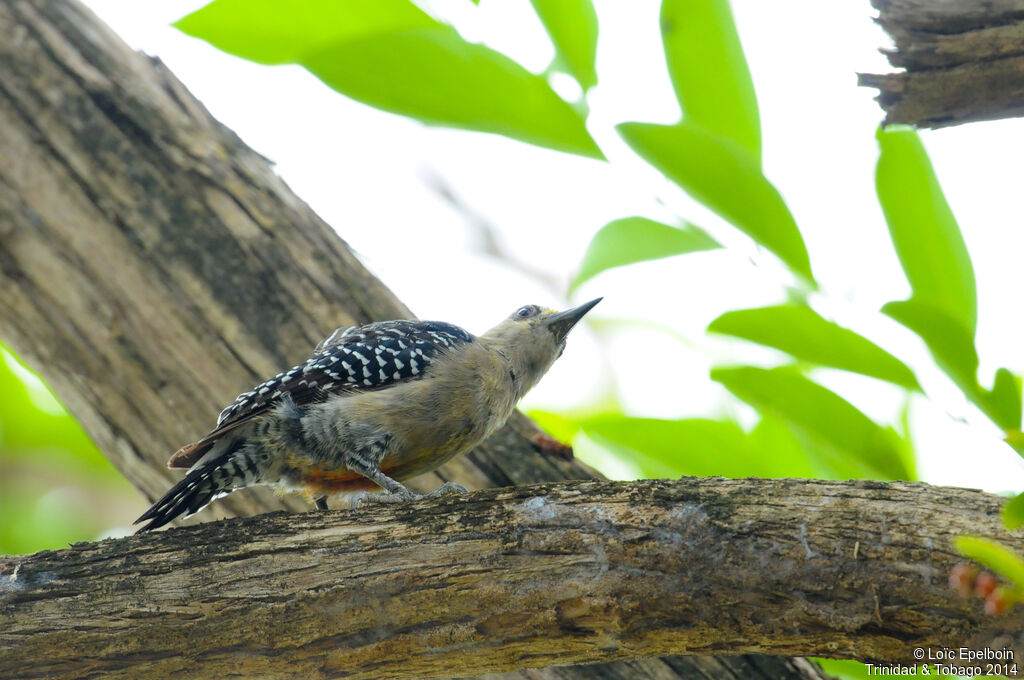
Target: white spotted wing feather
(373,356)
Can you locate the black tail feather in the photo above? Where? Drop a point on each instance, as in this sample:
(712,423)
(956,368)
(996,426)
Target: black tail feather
(188,496)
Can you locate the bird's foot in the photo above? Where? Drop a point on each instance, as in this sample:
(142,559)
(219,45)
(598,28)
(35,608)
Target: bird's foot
(403,495)
(446,489)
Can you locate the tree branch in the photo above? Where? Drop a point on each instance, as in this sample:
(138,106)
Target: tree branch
(528,576)
(963,61)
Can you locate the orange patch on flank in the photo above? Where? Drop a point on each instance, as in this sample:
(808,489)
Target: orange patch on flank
(333,480)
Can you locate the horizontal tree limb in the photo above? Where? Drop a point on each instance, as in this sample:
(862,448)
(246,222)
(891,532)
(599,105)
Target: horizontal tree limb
(520,577)
(963,61)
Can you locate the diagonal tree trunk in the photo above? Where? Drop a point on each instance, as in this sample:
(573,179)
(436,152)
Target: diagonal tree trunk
(152,267)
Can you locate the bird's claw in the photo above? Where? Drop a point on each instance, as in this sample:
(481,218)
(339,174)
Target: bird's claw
(446,489)
(358,498)
(365,497)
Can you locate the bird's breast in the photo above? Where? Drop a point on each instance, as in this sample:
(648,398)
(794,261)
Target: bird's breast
(457,405)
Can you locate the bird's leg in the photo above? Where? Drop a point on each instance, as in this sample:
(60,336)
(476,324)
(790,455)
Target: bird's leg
(396,492)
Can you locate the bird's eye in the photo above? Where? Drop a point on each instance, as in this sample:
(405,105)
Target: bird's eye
(526,312)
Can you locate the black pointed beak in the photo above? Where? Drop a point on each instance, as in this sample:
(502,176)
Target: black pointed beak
(561,323)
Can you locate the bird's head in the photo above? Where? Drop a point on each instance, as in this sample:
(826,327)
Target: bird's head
(532,337)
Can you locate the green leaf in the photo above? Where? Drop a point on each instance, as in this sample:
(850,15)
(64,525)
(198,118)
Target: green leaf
(272,32)
(949,342)
(844,669)
(393,56)
(694,446)
(855,670)
(33,421)
(666,448)
(44,450)
(820,414)
(800,331)
(1015,438)
(435,76)
(572,25)
(993,555)
(1005,400)
(644,465)
(943,308)
(637,239)
(561,427)
(790,452)
(923,229)
(709,72)
(1013,512)
(727,178)
(953,350)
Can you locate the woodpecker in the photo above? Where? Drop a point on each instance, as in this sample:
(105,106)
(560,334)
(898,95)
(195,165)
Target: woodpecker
(374,405)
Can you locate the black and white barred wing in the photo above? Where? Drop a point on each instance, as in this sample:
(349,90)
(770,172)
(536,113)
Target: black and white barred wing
(374,356)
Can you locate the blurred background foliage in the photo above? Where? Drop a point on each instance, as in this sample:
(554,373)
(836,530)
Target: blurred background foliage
(406,59)
(55,485)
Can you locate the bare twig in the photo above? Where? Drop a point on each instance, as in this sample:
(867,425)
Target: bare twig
(963,61)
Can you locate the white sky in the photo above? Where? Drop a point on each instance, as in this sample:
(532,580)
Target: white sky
(366,172)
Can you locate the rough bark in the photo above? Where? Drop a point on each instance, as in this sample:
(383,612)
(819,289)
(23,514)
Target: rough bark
(963,61)
(527,576)
(152,267)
